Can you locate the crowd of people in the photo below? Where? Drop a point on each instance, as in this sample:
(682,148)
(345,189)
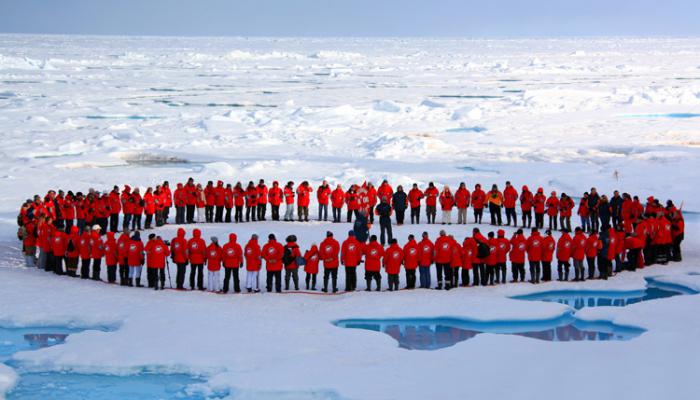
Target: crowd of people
(76,233)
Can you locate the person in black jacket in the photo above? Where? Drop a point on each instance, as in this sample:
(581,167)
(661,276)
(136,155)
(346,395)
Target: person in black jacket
(593,199)
(384,212)
(399,200)
(360,227)
(616,209)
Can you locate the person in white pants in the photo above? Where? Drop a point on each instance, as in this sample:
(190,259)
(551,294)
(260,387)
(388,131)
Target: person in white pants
(251,281)
(213,281)
(201,200)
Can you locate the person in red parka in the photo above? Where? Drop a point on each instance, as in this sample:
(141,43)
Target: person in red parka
(552,205)
(482,251)
(275,198)
(548,247)
(156,254)
(229,201)
(373,252)
(239,198)
(311,266)
(447,201)
(455,262)
(425,259)
(272,253)
(534,255)
(149,206)
(491,259)
(111,257)
(291,259)
(59,241)
(220,202)
(578,253)
(393,257)
(352,200)
(431,196)
(510,197)
(538,203)
(526,204)
(196,253)
(213,260)
(97,251)
(85,253)
(328,252)
(443,255)
(303,199)
(414,197)
(478,202)
(167,201)
(462,200)
(123,255)
(289,201)
(232,257)
(502,249)
(351,257)
(252,264)
(518,247)
(180,200)
(593,245)
(115,207)
(566,206)
(251,202)
(262,200)
(323,194)
(469,251)
(663,240)
(337,200)
(73,252)
(178,253)
(135,259)
(410,261)
(564,250)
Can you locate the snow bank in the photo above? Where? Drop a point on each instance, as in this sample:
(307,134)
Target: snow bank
(8,379)
(474,113)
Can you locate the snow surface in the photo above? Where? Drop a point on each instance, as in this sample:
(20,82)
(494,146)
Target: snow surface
(80,112)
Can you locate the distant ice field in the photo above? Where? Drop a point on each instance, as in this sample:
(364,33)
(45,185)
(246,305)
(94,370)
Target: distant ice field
(566,114)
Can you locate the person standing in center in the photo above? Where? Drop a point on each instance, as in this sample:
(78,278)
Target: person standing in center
(431,196)
(447,201)
(414,197)
(393,259)
(233,261)
(213,260)
(425,259)
(384,212)
(399,201)
(443,255)
(373,262)
(252,264)
(303,198)
(178,253)
(275,197)
(323,194)
(462,200)
(495,200)
(510,197)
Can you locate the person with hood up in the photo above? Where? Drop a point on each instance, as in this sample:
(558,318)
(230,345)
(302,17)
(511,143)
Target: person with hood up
(337,200)
(213,260)
(351,257)
(115,207)
(149,202)
(361,227)
(123,254)
(291,259)
(233,261)
(443,255)
(275,198)
(526,203)
(548,247)
(469,251)
(323,194)
(303,199)
(137,207)
(502,249)
(289,201)
(462,200)
(251,202)
(352,200)
(127,208)
(311,267)
(135,259)
(252,264)
(425,260)
(97,251)
(196,253)
(584,214)
(393,258)
(239,198)
(272,253)
(538,202)
(593,245)
(220,202)
(73,252)
(510,197)
(156,253)
(85,253)
(328,252)
(552,205)
(447,201)
(478,200)
(518,247)
(566,206)
(178,253)
(229,200)
(262,200)
(111,257)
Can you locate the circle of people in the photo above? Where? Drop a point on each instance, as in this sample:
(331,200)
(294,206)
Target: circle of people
(615,234)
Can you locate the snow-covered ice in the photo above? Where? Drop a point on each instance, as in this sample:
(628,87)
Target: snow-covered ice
(565,114)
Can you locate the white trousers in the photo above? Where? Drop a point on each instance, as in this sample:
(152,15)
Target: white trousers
(200,215)
(251,280)
(447,217)
(213,281)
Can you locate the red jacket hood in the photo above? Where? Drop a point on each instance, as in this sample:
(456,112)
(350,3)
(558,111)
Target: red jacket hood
(232,237)
(181,233)
(197,233)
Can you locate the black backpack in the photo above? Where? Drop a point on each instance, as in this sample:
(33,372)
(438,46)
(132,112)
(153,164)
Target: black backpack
(288,256)
(482,250)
